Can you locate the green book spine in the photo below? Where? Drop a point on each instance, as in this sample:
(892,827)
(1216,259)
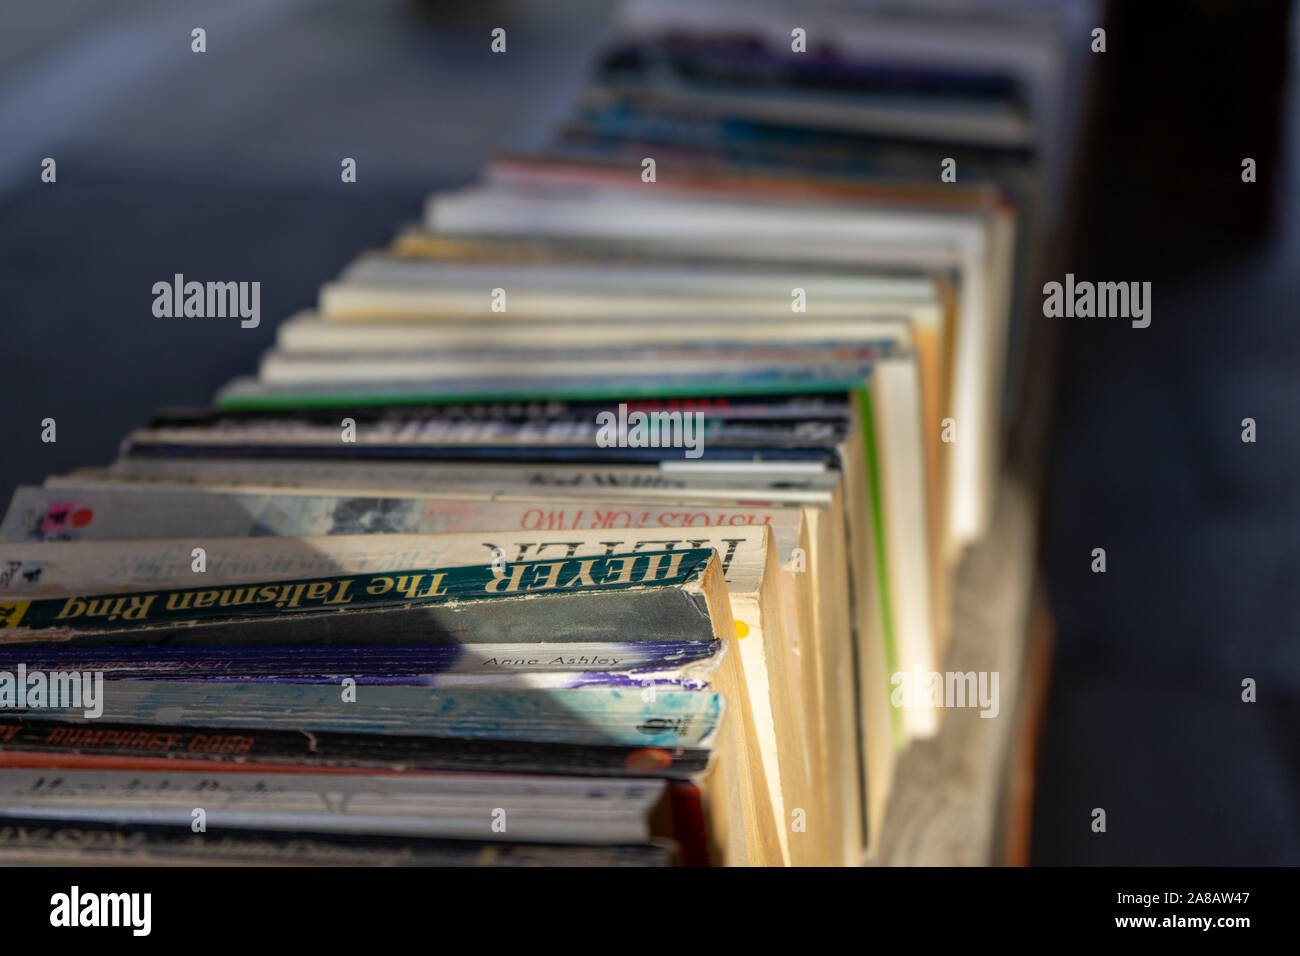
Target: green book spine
(882,565)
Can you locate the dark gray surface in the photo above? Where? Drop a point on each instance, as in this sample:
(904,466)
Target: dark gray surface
(1146,718)
(225,166)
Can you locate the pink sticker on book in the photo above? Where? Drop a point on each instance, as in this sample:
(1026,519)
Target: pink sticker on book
(56,516)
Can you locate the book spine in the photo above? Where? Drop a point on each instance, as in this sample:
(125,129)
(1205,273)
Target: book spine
(775,448)
(615,599)
(25,742)
(41,514)
(586,715)
(411,587)
(39,840)
(556,664)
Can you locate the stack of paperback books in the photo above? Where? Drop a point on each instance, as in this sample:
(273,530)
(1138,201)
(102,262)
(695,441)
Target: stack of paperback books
(592,521)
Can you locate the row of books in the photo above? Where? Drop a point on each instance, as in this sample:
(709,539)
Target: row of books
(589,522)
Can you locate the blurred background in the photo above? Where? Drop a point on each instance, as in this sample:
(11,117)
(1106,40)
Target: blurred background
(226,165)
